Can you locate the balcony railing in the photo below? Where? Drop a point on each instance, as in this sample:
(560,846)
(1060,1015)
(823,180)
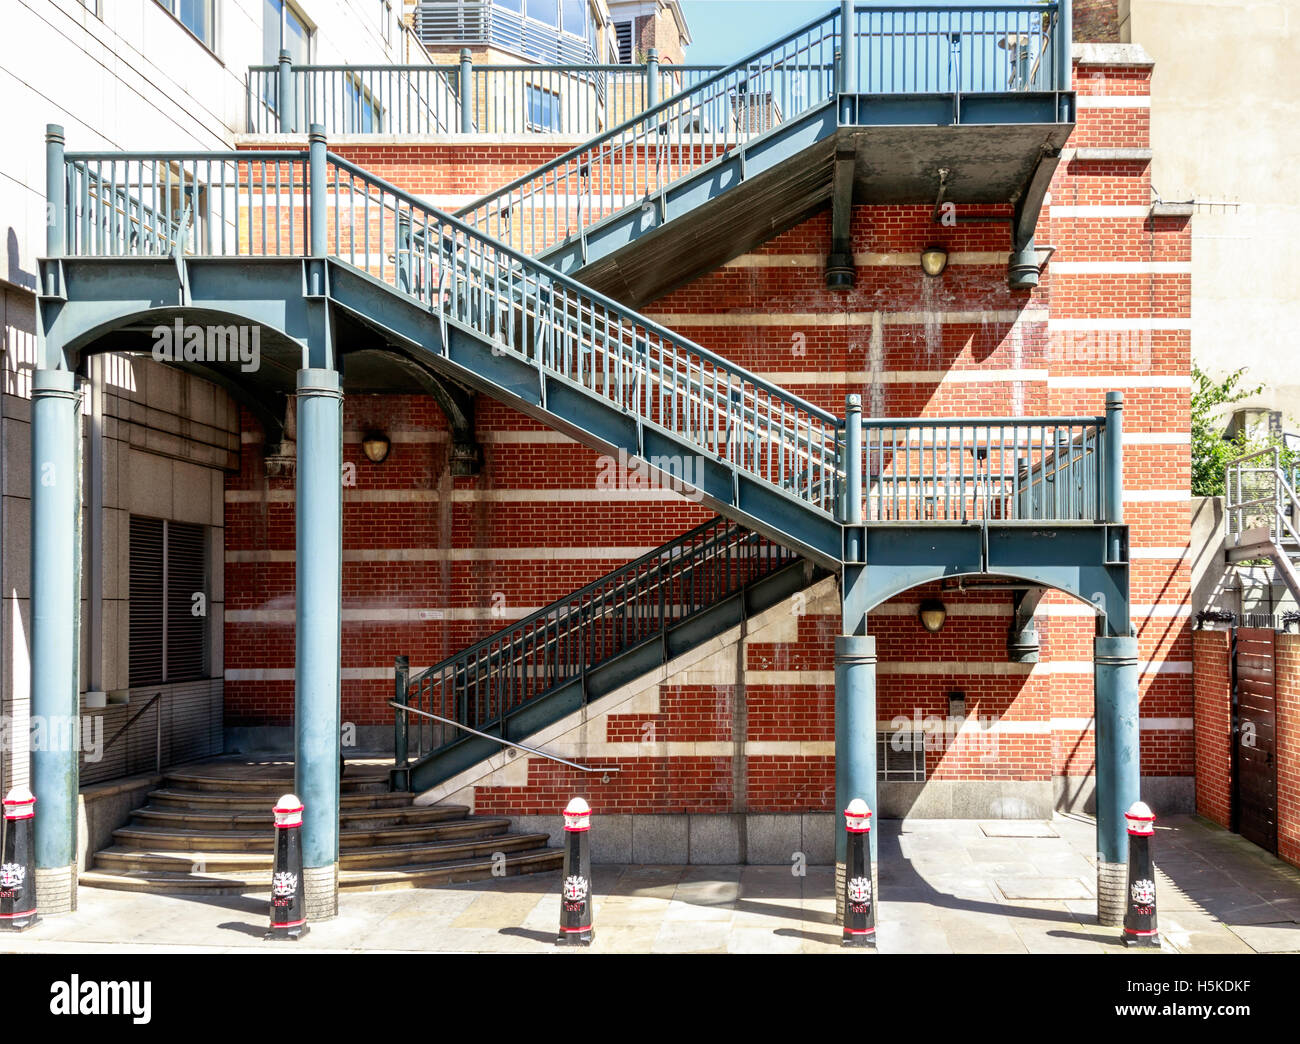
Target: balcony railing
(1023,469)
(896,49)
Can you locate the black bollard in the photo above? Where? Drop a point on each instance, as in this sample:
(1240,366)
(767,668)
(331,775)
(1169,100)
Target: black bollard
(859,903)
(17,865)
(576,927)
(1140,917)
(288,908)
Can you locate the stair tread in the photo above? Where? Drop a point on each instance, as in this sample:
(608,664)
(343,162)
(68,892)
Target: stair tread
(147,832)
(431,813)
(259,858)
(217,796)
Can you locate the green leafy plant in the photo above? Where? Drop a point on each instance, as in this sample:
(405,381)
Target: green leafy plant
(1212,451)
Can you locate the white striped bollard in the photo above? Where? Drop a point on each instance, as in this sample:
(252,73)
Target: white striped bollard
(859,902)
(288,908)
(17,864)
(576,927)
(1140,916)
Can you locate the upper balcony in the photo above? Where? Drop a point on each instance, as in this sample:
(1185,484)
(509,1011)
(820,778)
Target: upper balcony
(933,64)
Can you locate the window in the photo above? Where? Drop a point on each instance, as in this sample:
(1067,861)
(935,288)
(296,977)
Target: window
(198,16)
(574,15)
(623,36)
(283,28)
(386,20)
(543,109)
(900,757)
(168,625)
(361,113)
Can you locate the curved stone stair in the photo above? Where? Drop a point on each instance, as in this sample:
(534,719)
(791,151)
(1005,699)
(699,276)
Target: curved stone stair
(208,829)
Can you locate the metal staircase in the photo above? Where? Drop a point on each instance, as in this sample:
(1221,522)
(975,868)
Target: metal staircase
(325,254)
(553,662)
(1263,514)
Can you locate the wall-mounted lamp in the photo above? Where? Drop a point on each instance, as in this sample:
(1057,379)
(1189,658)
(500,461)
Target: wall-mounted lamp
(375,445)
(934,260)
(932,615)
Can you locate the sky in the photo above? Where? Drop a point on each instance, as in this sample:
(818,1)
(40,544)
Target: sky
(727,30)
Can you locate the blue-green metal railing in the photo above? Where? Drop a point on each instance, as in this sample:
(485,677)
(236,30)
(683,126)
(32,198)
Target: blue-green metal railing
(202,203)
(429,99)
(997,469)
(946,49)
(287,203)
(352,99)
(569,331)
(483,685)
(641,156)
(893,50)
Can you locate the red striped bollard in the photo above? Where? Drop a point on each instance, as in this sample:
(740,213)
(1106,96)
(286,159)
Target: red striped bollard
(859,903)
(288,908)
(17,864)
(576,928)
(1140,917)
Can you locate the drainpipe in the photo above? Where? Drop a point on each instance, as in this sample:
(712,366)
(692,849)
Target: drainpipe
(284,95)
(466,91)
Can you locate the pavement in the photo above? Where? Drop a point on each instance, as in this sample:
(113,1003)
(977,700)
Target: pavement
(946,886)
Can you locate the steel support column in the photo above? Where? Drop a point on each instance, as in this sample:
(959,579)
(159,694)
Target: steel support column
(855,657)
(1118,745)
(55,634)
(317,752)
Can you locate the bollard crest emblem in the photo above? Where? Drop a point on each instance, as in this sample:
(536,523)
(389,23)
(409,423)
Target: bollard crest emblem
(1144,892)
(12,875)
(575,888)
(284,883)
(859,889)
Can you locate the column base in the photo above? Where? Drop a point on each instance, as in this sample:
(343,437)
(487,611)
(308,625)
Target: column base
(1112,889)
(320,892)
(1142,942)
(56,890)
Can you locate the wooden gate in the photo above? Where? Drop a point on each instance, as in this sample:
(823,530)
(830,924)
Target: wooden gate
(1254,717)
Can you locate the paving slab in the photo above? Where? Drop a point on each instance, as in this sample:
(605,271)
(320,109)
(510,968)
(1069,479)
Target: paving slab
(1035,887)
(1018,828)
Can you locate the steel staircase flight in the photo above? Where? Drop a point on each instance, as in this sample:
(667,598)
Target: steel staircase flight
(535,671)
(628,182)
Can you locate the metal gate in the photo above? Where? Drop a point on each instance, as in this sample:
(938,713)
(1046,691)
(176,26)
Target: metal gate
(1254,716)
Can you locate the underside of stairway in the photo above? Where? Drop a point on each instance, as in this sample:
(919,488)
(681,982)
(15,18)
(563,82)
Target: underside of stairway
(208,830)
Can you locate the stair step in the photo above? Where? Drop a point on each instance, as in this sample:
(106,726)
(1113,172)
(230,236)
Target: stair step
(261,819)
(252,802)
(190,840)
(121,857)
(415,875)
(355,781)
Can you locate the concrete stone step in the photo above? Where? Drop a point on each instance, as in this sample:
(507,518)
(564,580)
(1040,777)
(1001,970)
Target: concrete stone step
(374,857)
(350,818)
(252,802)
(188,839)
(240,882)
(356,780)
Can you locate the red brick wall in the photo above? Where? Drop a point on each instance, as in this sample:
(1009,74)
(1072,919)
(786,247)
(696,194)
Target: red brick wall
(428,558)
(1211,654)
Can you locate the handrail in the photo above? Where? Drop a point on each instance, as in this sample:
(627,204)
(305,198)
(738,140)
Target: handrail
(504,742)
(689,146)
